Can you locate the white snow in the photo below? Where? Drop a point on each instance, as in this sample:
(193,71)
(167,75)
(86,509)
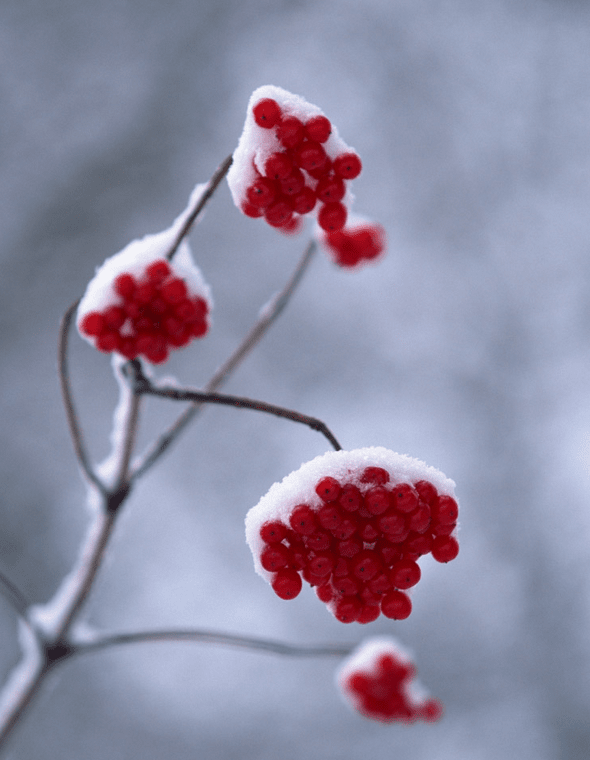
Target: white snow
(345,466)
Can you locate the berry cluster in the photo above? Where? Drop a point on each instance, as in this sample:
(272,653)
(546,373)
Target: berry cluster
(379,681)
(358,541)
(356,244)
(290,162)
(151,314)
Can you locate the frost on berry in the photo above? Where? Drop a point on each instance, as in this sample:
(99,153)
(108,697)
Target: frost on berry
(140,304)
(355,245)
(354,524)
(291,143)
(379,680)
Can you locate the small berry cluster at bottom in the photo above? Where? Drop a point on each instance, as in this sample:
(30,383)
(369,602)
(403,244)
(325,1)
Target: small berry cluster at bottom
(378,680)
(360,547)
(152,314)
(355,244)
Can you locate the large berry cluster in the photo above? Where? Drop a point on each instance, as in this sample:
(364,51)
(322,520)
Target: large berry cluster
(357,533)
(357,244)
(379,681)
(143,305)
(290,161)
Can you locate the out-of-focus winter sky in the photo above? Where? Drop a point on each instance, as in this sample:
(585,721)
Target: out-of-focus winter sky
(468,347)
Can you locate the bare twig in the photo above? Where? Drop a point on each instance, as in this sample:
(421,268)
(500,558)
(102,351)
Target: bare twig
(200,205)
(212,637)
(267,317)
(141,385)
(71,415)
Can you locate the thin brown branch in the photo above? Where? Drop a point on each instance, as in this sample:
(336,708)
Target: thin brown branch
(71,414)
(142,385)
(267,317)
(213,637)
(211,187)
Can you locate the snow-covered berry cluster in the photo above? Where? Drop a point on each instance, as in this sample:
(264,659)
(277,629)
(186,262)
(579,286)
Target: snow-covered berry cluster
(378,679)
(290,162)
(140,304)
(358,243)
(353,525)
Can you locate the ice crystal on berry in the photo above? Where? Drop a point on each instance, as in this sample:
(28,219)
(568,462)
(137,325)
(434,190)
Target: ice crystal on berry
(291,161)
(140,304)
(353,524)
(378,680)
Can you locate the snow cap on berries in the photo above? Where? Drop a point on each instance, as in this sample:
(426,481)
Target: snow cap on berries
(290,161)
(378,680)
(353,524)
(138,303)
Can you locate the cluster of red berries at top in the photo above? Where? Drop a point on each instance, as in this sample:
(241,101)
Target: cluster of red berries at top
(356,244)
(383,689)
(359,549)
(152,314)
(300,174)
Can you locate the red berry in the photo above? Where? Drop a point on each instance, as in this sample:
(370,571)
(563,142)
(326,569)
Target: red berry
(290,131)
(392,522)
(347,609)
(158,270)
(426,491)
(114,317)
(92,323)
(444,548)
(267,113)
(379,584)
(329,517)
(417,543)
(318,541)
(287,583)
(345,529)
(420,518)
(252,211)
(294,183)
(405,574)
(404,497)
(431,710)
(125,285)
(318,128)
(445,510)
(396,605)
(350,547)
(347,165)
(310,155)
(279,212)
(376,500)
(368,613)
(108,341)
(350,498)
(332,216)
(325,593)
(273,532)
(261,192)
(304,201)
(330,188)
(328,489)
(322,564)
(376,475)
(368,532)
(274,557)
(174,291)
(278,166)
(365,565)
(303,520)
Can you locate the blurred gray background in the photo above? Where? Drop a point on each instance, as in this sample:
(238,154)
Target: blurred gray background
(466,347)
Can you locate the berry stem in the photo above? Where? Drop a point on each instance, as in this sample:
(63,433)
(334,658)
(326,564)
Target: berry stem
(211,637)
(268,314)
(71,414)
(141,385)
(212,185)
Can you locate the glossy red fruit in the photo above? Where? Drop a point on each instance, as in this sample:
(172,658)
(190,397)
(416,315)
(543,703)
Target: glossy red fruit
(405,574)
(328,489)
(332,216)
(290,131)
(318,128)
(396,605)
(273,532)
(347,165)
(267,113)
(444,548)
(287,583)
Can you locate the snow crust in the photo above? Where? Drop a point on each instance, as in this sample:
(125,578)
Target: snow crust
(256,143)
(345,466)
(138,255)
(364,659)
